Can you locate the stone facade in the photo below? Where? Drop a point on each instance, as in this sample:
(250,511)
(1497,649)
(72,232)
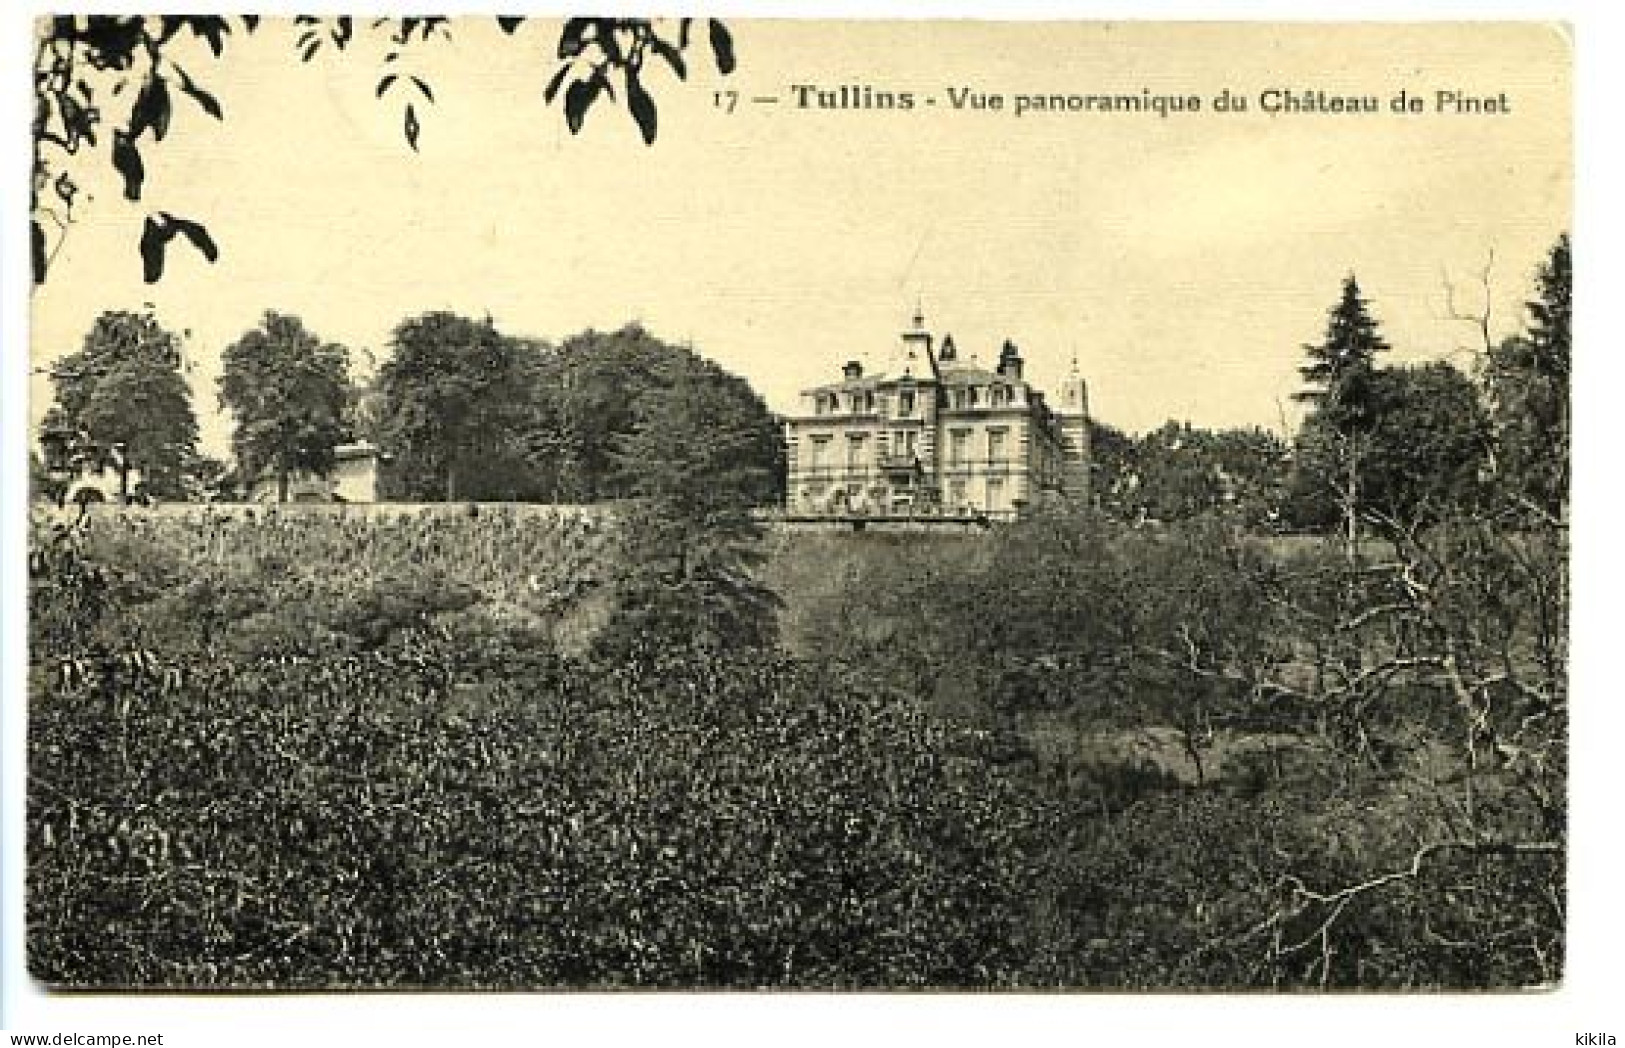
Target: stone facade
(931,434)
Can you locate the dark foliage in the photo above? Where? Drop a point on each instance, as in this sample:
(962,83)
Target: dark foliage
(78,112)
(289,394)
(559,748)
(122,400)
(1528,379)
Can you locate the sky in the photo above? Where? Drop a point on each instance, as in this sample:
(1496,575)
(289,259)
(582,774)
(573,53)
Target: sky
(1181,260)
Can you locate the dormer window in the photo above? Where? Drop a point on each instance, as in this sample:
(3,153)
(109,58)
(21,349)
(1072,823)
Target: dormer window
(905,402)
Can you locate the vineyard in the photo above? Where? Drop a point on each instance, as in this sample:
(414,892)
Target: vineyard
(303,750)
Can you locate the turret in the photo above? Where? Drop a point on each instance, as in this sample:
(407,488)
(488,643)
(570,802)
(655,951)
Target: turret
(1010,361)
(1073,412)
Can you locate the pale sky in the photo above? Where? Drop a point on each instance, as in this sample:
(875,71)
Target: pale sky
(1182,260)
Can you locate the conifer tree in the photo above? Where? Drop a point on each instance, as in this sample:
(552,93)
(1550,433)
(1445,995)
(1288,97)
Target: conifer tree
(1528,380)
(1342,387)
(1340,367)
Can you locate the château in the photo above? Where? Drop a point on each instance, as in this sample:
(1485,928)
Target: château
(931,434)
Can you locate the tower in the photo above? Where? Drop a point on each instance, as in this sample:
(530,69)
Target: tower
(1073,411)
(917,349)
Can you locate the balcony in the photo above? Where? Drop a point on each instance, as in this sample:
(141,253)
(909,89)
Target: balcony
(904,462)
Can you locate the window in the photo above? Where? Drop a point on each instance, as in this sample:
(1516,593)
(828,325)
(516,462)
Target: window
(1000,395)
(818,452)
(956,494)
(997,445)
(995,493)
(958,444)
(856,447)
(905,402)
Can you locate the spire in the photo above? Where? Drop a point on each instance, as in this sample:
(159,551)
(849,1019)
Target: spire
(919,315)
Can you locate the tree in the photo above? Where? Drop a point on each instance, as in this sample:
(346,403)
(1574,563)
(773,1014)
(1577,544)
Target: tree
(1427,444)
(588,398)
(1339,386)
(452,398)
(1251,466)
(1338,364)
(1422,451)
(1180,471)
(1177,480)
(290,393)
(590,390)
(692,544)
(124,389)
(1111,460)
(104,89)
(1528,383)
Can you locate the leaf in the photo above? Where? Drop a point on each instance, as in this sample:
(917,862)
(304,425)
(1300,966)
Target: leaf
(113,39)
(197,234)
(722,44)
(151,110)
(211,29)
(127,162)
(156,234)
(577,99)
(66,189)
(251,22)
(383,85)
(606,38)
(683,27)
(571,37)
(552,88)
(673,57)
(642,106)
(424,88)
(153,241)
(510,24)
(208,102)
(38,252)
(412,127)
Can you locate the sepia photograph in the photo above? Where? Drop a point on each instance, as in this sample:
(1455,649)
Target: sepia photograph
(726,503)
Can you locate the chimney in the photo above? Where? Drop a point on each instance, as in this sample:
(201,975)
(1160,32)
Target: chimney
(1010,360)
(852,370)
